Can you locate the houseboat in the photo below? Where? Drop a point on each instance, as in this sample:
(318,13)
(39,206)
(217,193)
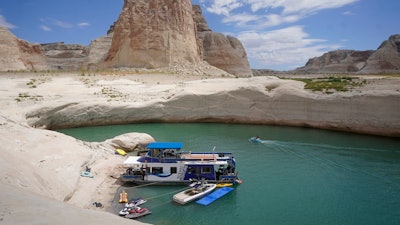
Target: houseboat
(165,164)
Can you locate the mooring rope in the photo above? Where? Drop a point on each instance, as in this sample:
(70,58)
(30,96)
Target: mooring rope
(158,196)
(144,185)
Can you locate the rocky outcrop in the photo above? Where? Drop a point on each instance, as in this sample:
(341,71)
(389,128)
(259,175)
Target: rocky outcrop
(224,52)
(386,59)
(153,34)
(129,141)
(98,50)
(340,61)
(62,56)
(17,54)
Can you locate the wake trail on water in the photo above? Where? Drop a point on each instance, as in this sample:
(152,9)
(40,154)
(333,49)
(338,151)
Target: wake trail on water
(292,148)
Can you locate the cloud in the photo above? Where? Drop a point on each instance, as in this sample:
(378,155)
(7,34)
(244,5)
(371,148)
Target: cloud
(45,28)
(62,24)
(289,47)
(269,12)
(224,7)
(348,13)
(83,24)
(4,23)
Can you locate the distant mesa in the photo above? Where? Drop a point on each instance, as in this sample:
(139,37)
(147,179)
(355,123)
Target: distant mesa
(386,59)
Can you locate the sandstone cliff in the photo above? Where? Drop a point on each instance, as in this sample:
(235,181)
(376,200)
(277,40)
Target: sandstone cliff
(153,34)
(224,52)
(98,50)
(17,54)
(62,56)
(386,59)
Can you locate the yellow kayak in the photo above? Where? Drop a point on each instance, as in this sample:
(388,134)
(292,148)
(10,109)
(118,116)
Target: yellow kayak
(120,151)
(224,185)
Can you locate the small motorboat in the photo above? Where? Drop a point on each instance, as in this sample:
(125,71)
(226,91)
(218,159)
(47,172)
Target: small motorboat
(134,212)
(256,140)
(135,202)
(196,190)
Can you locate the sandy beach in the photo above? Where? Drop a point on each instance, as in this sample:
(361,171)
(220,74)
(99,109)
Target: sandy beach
(39,168)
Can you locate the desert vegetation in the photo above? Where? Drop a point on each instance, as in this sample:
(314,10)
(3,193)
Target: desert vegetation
(332,83)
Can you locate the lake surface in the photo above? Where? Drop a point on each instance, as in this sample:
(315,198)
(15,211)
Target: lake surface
(298,176)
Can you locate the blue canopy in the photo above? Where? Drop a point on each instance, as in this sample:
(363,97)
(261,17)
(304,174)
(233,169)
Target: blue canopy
(165,145)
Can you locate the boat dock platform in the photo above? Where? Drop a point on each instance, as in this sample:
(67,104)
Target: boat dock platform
(208,199)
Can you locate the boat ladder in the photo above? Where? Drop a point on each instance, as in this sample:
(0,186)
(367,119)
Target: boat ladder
(181,172)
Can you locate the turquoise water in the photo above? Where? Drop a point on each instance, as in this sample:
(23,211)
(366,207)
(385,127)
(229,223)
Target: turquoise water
(299,176)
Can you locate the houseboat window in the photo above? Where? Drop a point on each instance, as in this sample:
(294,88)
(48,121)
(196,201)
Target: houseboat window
(157,170)
(206,170)
(191,170)
(173,169)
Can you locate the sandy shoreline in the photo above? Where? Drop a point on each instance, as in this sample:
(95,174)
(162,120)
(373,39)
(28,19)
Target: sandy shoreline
(42,166)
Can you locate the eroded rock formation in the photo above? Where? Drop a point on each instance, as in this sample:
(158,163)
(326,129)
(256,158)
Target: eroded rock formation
(386,59)
(340,61)
(62,56)
(224,52)
(129,141)
(98,50)
(17,54)
(153,34)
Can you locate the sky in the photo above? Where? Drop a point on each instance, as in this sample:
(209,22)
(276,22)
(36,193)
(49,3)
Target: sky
(276,34)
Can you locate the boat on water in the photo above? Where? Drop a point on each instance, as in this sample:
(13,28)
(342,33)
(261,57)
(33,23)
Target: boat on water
(256,140)
(132,209)
(165,164)
(196,190)
(134,212)
(135,202)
